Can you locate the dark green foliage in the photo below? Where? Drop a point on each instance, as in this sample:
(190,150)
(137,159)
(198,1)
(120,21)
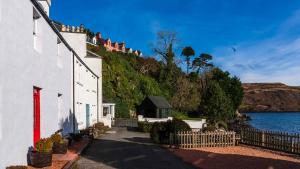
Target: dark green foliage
(160,131)
(145,126)
(202,63)
(188,52)
(216,105)
(232,86)
(209,128)
(122,82)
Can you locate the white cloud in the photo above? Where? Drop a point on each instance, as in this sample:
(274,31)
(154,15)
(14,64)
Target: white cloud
(276,59)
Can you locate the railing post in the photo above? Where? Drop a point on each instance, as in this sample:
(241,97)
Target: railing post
(263,138)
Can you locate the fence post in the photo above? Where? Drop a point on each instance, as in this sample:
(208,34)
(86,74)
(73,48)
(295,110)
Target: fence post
(263,138)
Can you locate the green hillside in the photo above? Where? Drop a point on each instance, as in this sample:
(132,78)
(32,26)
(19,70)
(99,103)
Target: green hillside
(128,79)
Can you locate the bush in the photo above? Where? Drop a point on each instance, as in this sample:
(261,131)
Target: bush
(160,131)
(56,138)
(209,128)
(145,126)
(178,115)
(44,145)
(157,132)
(178,125)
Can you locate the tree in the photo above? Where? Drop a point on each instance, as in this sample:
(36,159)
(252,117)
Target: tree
(188,52)
(232,86)
(202,62)
(216,105)
(164,48)
(165,41)
(186,96)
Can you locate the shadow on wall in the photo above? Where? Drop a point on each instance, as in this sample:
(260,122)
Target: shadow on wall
(69,124)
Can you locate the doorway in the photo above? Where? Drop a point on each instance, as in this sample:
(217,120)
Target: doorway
(87,110)
(36,115)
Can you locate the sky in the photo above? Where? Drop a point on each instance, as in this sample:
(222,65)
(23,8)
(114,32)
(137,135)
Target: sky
(265,33)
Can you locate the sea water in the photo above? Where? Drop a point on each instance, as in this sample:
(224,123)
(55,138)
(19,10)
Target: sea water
(276,121)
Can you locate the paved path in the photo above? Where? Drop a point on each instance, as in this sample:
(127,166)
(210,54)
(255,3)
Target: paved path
(128,150)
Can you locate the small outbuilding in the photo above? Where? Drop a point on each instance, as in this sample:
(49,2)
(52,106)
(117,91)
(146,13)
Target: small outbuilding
(155,107)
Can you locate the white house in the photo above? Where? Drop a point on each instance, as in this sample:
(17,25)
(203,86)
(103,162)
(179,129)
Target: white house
(47,81)
(88,80)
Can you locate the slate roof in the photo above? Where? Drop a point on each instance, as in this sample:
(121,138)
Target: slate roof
(160,102)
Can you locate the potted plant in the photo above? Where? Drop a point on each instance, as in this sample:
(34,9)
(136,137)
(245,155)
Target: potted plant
(41,156)
(60,145)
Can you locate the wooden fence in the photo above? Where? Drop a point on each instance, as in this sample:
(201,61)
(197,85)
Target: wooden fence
(125,122)
(280,141)
(190,139)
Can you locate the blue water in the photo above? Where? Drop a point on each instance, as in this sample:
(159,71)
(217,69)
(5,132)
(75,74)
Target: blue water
(279,121)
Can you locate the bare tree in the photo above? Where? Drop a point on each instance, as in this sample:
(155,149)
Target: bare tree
(163,42)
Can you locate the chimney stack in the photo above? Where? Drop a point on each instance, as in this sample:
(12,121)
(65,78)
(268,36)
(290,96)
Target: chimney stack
(98,36)
(45,4)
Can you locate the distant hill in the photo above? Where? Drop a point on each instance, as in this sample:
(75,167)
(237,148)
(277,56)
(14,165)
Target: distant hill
(268,97)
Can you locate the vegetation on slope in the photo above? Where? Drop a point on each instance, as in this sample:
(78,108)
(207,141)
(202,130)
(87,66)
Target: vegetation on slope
(128,79)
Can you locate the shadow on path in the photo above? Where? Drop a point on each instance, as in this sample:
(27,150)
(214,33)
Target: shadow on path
(129,150)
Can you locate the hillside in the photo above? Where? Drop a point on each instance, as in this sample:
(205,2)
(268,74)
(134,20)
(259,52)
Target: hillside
(270,97)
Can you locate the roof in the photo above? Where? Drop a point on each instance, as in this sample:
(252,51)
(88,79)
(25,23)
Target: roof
(159,101)
(90,54)
(47,19)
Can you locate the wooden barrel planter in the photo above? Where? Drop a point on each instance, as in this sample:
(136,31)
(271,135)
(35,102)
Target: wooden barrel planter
(39,159)
(60,148)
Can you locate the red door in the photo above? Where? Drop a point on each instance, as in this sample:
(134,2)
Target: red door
(36,116)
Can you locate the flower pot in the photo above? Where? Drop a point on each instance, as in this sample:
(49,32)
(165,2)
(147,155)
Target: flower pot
(60,148)
(39,159)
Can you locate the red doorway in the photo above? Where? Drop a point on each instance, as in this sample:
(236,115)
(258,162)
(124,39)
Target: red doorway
(36,115)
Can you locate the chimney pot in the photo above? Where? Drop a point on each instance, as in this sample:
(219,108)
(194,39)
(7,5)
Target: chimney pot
(63,28)
(77,29)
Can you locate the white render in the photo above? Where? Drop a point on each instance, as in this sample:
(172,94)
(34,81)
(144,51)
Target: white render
(86,84)
(42,60)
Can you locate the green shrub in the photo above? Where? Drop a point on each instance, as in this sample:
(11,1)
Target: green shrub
(178,125)
(178,115)
(209,128)
(56,138)
(44,145)
(145,126)
(157,132)
(160,131)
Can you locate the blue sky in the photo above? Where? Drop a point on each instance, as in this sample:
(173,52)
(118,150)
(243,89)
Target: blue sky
(266,33)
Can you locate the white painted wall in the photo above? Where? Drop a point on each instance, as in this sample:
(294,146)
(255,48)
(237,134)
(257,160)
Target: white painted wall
(85,82)
(21,68)
(196,125)
(152,120)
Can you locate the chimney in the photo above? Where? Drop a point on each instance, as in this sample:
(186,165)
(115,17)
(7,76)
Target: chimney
(81,28)
(98,36)
(45,4)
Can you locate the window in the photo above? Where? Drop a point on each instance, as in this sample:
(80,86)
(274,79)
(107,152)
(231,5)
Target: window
(105,111)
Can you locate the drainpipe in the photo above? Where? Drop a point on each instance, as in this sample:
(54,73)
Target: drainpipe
(97,100)
(74,117)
